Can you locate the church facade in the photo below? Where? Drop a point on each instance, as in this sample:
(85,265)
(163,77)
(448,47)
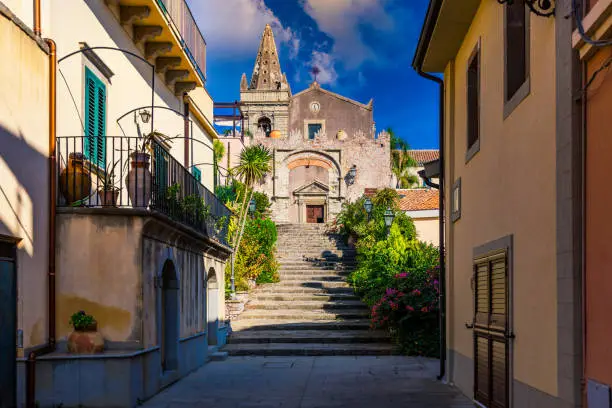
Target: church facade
(325,147)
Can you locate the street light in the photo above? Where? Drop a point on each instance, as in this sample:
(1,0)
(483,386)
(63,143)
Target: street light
(252,206)
(367,204)
(351,175)
(389,216)
(145,116)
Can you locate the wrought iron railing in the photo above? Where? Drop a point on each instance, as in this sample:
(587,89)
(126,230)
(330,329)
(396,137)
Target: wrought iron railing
(125,172)
(179,14)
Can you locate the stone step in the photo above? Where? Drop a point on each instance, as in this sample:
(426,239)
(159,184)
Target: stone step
(315,285)
(264,325)
(298,289)
(310,349)
(303,279)
(302,297)
(296,270)
(309,315)
(308,336)
(309,305)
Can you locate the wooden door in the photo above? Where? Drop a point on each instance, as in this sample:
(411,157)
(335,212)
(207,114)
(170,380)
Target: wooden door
(8,325)
(315,214)
(491,331)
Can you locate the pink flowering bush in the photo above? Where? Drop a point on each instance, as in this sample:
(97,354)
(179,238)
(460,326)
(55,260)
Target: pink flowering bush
(409,310)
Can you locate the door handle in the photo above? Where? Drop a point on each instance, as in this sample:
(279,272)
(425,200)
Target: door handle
(469,325)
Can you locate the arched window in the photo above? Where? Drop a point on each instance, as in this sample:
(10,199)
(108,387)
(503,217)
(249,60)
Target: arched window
(265,125)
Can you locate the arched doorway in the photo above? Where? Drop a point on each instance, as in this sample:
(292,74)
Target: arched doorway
(265,125)
(169,317)
(212,307)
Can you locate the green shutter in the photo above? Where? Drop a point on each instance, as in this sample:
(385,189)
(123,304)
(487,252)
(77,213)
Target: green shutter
(197,174)
(95,120)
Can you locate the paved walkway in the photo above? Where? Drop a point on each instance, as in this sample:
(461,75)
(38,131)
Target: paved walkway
(313,382)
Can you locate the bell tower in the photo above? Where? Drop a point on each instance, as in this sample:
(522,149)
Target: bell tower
(265,99)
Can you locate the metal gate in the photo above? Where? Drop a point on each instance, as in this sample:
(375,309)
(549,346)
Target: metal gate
(492,331)
(8,325)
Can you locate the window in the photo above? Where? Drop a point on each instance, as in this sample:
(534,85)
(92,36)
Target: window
(313,129)
(473,104)
(456,201)
(517,54)
(95,120)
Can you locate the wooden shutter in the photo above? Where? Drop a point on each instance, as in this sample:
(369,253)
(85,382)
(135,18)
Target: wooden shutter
(94,147)
(491,331)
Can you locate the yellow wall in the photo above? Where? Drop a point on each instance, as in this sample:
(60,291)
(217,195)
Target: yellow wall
(24,175)
(507,188)
(428,230)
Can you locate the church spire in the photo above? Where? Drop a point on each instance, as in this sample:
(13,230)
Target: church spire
(267,72)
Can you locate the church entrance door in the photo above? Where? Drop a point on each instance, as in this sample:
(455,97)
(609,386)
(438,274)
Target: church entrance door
(314,214)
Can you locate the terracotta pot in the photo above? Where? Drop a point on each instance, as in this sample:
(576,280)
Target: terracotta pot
(341,135)
(275,134)
(86,341)
(138,180)
(75,179)
(108,198)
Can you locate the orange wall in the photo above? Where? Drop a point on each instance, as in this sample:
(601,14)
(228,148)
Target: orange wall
(598,232)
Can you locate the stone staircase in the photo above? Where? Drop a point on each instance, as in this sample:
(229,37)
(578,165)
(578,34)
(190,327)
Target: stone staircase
(312,310)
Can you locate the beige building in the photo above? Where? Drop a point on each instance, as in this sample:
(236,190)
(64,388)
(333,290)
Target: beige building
(422,205)
(508,158)
(144,251)
(324,145)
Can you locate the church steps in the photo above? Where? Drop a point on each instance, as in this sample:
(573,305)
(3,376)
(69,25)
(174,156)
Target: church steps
(312,310)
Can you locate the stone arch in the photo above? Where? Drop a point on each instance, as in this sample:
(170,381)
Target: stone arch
(312,177)
(169,318)
(212,306)
(264,124)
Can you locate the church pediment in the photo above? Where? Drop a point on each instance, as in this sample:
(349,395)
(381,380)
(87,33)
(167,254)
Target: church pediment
(314,188)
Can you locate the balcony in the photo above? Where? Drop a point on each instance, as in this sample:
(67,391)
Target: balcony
(167,34)
(128,175)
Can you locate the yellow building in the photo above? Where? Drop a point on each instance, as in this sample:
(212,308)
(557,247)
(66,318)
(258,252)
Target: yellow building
(106,201)
(510,156)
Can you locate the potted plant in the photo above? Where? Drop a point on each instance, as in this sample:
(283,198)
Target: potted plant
(108,191)
(85,339)
(75,179)
(138,179)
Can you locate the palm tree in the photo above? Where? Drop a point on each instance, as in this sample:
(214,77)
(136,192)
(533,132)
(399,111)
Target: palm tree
(218,153)
(253,166)
(401,162)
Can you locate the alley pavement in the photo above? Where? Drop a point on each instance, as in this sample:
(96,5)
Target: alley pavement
(313,382)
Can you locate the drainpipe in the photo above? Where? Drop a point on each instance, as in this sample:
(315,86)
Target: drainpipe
(186,127)
(37,30)
(583,233)
(50,346)
(440,83)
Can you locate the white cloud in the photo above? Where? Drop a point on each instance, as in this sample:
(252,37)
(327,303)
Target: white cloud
(327,67)
(342,19)
(233,28)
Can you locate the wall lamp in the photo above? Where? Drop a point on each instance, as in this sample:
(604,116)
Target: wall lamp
(145,116)
(543,8)
(351,175)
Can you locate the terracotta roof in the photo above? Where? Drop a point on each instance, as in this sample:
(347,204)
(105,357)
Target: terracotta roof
(424,156)
(418,199)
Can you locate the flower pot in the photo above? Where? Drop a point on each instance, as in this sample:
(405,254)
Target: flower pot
(86,340)
(275,134)
(138,180)
(75,179)
(108,198)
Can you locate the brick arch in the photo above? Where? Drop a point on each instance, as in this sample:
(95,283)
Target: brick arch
(321,158)
(309,162)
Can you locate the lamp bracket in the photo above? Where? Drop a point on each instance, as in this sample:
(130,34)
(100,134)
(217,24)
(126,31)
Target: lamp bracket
(542,8)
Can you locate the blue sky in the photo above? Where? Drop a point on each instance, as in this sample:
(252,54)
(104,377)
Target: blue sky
(364,49)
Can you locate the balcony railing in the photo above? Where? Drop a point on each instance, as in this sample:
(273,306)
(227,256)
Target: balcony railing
(118,172)
(186,28)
